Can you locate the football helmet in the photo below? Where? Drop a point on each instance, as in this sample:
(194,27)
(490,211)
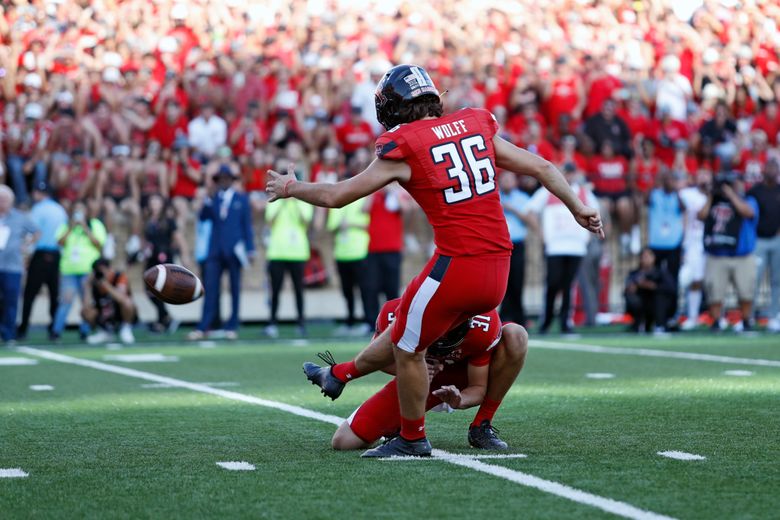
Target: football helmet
(400,85)
(450,340)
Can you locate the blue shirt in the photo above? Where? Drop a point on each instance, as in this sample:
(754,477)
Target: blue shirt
(48,216)
(517,200)
(14,228)
(665,220)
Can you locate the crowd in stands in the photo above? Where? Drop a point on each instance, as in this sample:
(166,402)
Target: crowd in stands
(147,120)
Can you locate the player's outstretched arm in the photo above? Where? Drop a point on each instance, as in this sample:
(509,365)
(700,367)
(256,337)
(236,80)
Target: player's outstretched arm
(515,159)
(378,174)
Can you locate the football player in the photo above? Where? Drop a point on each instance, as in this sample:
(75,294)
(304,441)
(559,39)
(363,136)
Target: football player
(473,364)
(448,165)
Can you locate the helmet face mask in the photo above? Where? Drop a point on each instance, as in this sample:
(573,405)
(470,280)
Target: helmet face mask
(450,340)
(399,86)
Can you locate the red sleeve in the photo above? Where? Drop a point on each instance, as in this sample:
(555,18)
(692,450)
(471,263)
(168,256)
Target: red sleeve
(390,145)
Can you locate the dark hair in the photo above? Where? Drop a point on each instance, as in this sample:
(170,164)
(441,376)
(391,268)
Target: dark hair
(424,106)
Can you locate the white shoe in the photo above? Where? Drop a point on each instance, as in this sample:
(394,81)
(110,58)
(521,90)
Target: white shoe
(272,331)
(195,335)
(98,337)
(126,334)
(133,245)
(109,248)
(689,324)
(738,326)
(773,325)
(231,335)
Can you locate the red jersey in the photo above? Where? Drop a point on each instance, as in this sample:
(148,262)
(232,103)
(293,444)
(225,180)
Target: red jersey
(609,175)
(453,179)
(771,127)
(386,224)
(354,136)
(646,173)
(476,347)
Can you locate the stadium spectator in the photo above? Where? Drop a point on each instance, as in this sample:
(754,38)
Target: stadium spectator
(162,239)
(44,266)
(514,201)
(82,240)
(350,227)
(649,292)
(287,252)
(385,247)
(565,243)
(26,150)
(17,231)
(231,248)
(108,304)
(606,125)
(673,89)
(665,222)
(355,133)
(207,133)
(767,196)
(691,276)
(609,174)
(730,221)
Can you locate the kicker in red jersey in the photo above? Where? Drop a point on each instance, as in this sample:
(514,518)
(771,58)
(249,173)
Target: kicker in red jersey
(453,179)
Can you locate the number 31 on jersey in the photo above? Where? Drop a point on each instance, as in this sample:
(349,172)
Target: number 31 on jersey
(476,177)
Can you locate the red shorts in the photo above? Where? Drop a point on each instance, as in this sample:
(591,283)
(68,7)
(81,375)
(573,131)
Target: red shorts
(448,291)
(380,415)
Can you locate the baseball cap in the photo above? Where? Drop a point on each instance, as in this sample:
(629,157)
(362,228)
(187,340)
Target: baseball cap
(224,171)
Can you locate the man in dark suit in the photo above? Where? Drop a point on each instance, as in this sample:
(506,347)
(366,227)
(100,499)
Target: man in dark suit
(231,247)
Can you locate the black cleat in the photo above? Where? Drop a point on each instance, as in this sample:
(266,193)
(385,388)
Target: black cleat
(484,437)
(400,447)
(323,376)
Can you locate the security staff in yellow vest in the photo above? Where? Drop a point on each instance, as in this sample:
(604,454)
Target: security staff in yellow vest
(350,227)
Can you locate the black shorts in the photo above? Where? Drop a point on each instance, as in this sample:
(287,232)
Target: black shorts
(613,196)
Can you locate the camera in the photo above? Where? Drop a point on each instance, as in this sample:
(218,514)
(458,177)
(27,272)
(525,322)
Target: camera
(723,179)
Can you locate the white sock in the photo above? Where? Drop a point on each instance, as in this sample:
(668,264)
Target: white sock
(694,304)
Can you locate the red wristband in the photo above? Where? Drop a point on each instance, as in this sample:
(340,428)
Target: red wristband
(286,184)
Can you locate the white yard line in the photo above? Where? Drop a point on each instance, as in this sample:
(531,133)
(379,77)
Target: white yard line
(236,466)
(555,488)
(17,361)
(12,473)
(681,455)
(648,352)
(41,388)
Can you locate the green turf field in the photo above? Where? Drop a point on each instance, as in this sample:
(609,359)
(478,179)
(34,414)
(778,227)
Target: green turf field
(102,444)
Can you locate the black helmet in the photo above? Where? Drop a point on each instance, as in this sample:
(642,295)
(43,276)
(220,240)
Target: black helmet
(400,85)
(450,340)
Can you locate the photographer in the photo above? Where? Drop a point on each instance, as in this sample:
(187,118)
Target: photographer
(649,293)
(82,241)
(108,305)
(730,222)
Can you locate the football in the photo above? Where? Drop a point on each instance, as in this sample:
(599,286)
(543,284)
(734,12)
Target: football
(173,284)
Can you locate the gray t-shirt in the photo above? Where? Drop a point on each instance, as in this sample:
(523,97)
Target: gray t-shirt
(14,227)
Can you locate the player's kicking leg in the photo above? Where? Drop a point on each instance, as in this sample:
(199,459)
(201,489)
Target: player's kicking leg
(332,379)
(505,365)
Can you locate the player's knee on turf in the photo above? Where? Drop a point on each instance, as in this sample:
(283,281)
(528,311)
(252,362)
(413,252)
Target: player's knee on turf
(345,439)
(515,342)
